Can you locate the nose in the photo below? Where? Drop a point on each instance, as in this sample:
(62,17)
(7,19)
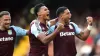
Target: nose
(70,14)
(48,11)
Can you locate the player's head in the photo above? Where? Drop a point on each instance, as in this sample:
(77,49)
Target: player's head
(5,19)
(64,13)
(41,10)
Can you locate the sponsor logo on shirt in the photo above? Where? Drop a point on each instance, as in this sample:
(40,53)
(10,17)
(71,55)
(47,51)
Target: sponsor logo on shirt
(6,39)
(67,33)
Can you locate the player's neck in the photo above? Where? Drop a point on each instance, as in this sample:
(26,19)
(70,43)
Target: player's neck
(2,28)
(66,22)
(61,21)
(42,20)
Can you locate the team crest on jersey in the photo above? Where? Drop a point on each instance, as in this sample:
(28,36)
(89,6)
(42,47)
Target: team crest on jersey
(70,27)
(10,32)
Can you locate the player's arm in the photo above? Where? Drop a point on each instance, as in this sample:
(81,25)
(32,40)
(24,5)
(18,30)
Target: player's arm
(84,35)
(42,36)
(20,31)
(52,22)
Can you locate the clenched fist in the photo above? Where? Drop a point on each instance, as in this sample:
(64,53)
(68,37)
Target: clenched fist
(60,26)
(89,20)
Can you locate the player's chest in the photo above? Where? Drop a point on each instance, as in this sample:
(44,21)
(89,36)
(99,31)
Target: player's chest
(68,31)
(6,36)
(44,28)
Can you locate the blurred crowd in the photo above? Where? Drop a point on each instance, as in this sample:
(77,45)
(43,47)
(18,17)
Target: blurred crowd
(90,47)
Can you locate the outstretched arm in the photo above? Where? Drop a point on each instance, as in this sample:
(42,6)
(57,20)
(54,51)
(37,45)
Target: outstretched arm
(20,31)
(84,35)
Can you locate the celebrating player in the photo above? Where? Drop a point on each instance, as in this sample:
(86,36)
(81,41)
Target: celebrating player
(8,34)
(64,42)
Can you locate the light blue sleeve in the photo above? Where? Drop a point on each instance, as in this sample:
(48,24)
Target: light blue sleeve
(48,23)
(51,29)
(19,31)
(35,30)
(77,29)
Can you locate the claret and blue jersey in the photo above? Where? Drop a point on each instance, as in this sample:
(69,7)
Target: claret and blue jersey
(37,47)
(64,42)
(7,39)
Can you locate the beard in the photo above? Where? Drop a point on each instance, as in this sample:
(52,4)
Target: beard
(6,26)
(47,17)
(67,20)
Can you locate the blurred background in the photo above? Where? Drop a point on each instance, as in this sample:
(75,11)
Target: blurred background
(22,14)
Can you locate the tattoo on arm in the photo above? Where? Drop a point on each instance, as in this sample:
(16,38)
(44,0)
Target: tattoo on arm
(80,35)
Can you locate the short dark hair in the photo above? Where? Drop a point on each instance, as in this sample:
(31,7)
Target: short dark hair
(4,13)
(37,8)
(60,10)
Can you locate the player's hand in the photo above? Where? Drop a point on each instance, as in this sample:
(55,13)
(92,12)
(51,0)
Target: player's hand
(89,20)
(60,26)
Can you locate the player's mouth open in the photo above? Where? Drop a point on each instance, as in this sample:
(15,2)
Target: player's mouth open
(47,14)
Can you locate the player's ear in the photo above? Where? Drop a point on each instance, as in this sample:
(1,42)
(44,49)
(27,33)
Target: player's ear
(38,13)
(61,15)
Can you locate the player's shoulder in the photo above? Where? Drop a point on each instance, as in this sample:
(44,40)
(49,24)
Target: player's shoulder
(73,23)
(32,22)
(13,26)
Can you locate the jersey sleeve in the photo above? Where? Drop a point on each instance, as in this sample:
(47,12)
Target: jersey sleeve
(34,30)
(51,29)
(77,29)
(48,23)
(19,31)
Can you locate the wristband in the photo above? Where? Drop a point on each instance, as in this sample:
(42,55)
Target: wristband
(89,27)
